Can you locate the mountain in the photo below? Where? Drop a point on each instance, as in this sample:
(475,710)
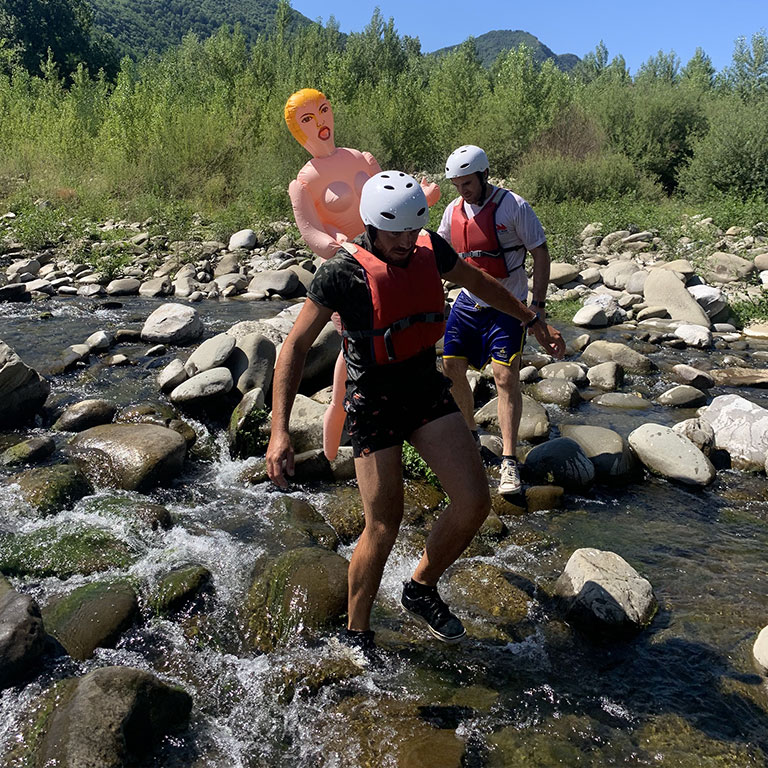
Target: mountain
(491,44)
(141,26)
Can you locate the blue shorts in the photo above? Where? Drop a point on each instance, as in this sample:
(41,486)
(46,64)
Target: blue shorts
(480,334)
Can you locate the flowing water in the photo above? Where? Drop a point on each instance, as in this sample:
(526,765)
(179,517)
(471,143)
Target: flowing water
(682,693)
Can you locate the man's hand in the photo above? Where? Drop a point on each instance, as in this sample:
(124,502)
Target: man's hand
(280,458)
(549,338)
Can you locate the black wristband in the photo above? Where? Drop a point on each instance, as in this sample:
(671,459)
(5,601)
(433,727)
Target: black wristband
(535,319)
(540,304)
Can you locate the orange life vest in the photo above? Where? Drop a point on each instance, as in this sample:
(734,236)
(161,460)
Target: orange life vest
(408,303)
(476,239)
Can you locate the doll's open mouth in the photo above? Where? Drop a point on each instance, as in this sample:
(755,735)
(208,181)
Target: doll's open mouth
(324,133)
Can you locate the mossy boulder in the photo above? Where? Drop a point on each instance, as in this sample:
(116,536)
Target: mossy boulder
(301,525)
(344,511)
(133,457)
(245,433)
(485,590)
(135,509)
(28,451)
(111,718)
(307,676)
(51,551)
(179,588)
(92,616)
(302,590)
(22,635)
(52,489)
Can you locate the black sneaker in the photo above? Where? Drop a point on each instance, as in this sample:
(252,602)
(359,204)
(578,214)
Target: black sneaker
(425,603)
(361,640)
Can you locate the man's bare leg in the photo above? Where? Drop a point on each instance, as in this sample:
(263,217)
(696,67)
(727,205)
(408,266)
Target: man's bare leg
(455,368)
(448,448)
(380,480)
(510,402)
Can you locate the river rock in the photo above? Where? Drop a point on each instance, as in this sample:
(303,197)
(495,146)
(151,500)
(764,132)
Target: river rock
(560,462)
(725,267)
(51,489)
(630,401)
(534,421)
(302,590)
(179,588)
(694,335)
(210,383)
(305,425)
(611,351)
(134,457)
(62,552)
(687,374)
(606,376)
(484,590)
(245,239)
(601,590)
(574,372)
(561,273)
(556,391)
(663,288)
(313,466)
(699,432)
(608,451)
(612,238)
(282,282)
(84,415)
(252,363)
(100,341)
(299,524)
(741,428)
(591,316)
(321,359)
(682,396)
(616,274)
(172,375)
(110,718)
(92,616)
(22,390)
(760,650)
(212,353)
(173,324)
(157,286)
(671,455)
(740,377)
(344,512)
(126,286)
(22,635)
(30,451)
(711,299)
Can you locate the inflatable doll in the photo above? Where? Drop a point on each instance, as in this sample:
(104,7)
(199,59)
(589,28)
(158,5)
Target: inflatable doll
(325,196)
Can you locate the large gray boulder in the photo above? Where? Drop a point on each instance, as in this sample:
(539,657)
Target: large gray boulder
(22,636)
(134,457)
(606,449)
(305,425)
(212,353)
(252,363)
(610,351)
(601,590)
(173,324)
(663,288)
(534,422)
(208,384)
(85,414)
(560,462)
(664,452)
(22,389)
(725,267)
(110,718)
(741,428)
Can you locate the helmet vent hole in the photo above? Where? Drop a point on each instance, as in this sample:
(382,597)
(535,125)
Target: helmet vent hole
(408,185)
(388,186)
(384,176)
(387,215)
(421,212)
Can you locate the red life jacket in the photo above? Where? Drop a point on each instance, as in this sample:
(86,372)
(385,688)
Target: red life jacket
(476,239)
(408,303)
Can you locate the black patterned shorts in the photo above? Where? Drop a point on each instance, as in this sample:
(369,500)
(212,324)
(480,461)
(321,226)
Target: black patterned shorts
(378,420)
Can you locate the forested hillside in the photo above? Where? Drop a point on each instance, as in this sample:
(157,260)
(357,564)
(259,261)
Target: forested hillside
(141,26)
(491,44)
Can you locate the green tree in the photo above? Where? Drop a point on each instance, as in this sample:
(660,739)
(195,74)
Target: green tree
(748,74)
(661,68)
(698,72)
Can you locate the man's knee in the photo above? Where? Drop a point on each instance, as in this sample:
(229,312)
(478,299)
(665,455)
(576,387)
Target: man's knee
(382,533)
(454,367)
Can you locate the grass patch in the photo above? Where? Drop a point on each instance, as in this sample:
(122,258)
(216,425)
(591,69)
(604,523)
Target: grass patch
(747,311)
(416,468)
(562,311)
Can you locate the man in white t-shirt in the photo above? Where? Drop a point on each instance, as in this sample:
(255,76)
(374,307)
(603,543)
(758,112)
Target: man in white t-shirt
(493,229)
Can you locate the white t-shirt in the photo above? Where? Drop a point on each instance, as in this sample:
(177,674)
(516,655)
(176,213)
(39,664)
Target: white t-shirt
(516,224)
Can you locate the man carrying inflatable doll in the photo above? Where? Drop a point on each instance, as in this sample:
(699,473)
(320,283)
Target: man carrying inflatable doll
(492,229)
(387,289)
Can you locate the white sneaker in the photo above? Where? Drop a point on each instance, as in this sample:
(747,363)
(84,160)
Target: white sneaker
(509,481)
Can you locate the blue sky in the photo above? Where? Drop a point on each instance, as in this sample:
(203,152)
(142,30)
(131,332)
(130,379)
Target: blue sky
(637,30)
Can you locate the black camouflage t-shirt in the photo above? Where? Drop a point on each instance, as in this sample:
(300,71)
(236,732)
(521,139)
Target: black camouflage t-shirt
(339,284)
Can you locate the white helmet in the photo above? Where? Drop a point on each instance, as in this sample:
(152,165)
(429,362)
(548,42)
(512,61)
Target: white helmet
(393,201)
(465,160)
